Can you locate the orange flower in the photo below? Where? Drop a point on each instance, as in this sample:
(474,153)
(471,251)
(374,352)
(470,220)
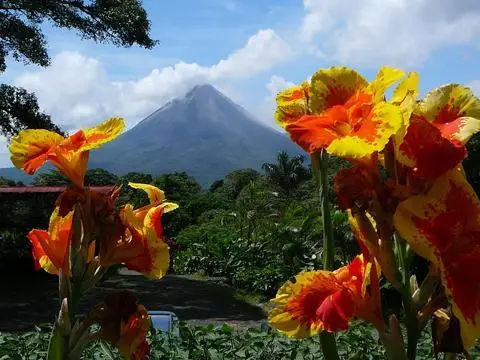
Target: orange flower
(51,248)
(443,226)
(132,343)
(31,148)
(140,245)
(124,323)
(345,114)
(324,300)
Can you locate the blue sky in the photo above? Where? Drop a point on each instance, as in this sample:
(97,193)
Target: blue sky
(250,49)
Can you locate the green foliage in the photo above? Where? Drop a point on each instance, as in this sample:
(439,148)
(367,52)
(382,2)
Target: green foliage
(223,343)
(6,182)
(287,173)
(234,183)
(100,177)
(122,23)
(51,178)
(19,110)
(179,187)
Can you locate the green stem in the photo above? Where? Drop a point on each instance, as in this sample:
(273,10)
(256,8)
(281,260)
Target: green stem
(411,322)
(320,167)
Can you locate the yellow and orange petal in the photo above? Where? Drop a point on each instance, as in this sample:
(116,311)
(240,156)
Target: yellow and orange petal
(443,226)
(30,149)
(50,249)
(454,110)
(292,104)
(369,135)
(142,247)
(318,300)
(427,152)
(334,86)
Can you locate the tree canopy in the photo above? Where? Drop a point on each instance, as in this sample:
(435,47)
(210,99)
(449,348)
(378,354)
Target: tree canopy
(119,22)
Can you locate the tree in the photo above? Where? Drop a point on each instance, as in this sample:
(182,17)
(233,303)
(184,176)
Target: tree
(237,180)
(100,177)
(287,173)
(120,22)
(52,178)
(178,186)
(6,182)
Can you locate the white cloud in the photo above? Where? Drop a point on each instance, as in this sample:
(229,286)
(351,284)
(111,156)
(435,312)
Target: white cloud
(397,32)
(475,86)
(76,91)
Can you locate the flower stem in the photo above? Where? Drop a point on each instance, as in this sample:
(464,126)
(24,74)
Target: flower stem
(320,167)
(411,321)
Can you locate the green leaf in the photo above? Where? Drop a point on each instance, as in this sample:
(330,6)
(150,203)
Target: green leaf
(106,351)
(57,348)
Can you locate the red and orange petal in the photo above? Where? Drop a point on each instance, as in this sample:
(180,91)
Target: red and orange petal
(426,151)
(443,226)
(31,148)
(370,135)
(454,110)
(133,333)
(318,300)
(353,187)
(292,104)
(296,303)
(50,249)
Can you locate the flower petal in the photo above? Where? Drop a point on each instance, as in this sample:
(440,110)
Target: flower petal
(158,249)
(292,104)
(443,226)
(454,110)
(101,134)
(334,86)
(422,147)
(386,77)
(372,135)
(30,149)
(315,132)
(295,313)
(37,238)
(155,195)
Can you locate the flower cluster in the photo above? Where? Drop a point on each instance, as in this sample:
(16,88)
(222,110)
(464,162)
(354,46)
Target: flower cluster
(87,236)
(406,191)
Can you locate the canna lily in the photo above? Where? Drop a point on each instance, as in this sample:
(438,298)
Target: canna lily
(324,300)
(51,248)
(141,245)
(31,148)
(132,343)
(443,226)
(292,104)
(439,127)
(124,323)
(347,115)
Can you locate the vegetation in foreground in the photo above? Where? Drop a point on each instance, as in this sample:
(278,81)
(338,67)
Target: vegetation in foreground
(215,343)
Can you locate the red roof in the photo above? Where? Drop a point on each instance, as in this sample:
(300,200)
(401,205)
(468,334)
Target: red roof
(48,189)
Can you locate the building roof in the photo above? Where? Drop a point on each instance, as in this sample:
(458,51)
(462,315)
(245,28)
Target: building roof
(48,189)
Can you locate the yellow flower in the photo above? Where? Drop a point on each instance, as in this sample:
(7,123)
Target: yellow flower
(31,148)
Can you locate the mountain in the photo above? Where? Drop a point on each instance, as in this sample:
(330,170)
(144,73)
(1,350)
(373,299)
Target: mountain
(203,133)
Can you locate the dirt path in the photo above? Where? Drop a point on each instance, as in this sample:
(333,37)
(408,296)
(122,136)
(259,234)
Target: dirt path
(25,302)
